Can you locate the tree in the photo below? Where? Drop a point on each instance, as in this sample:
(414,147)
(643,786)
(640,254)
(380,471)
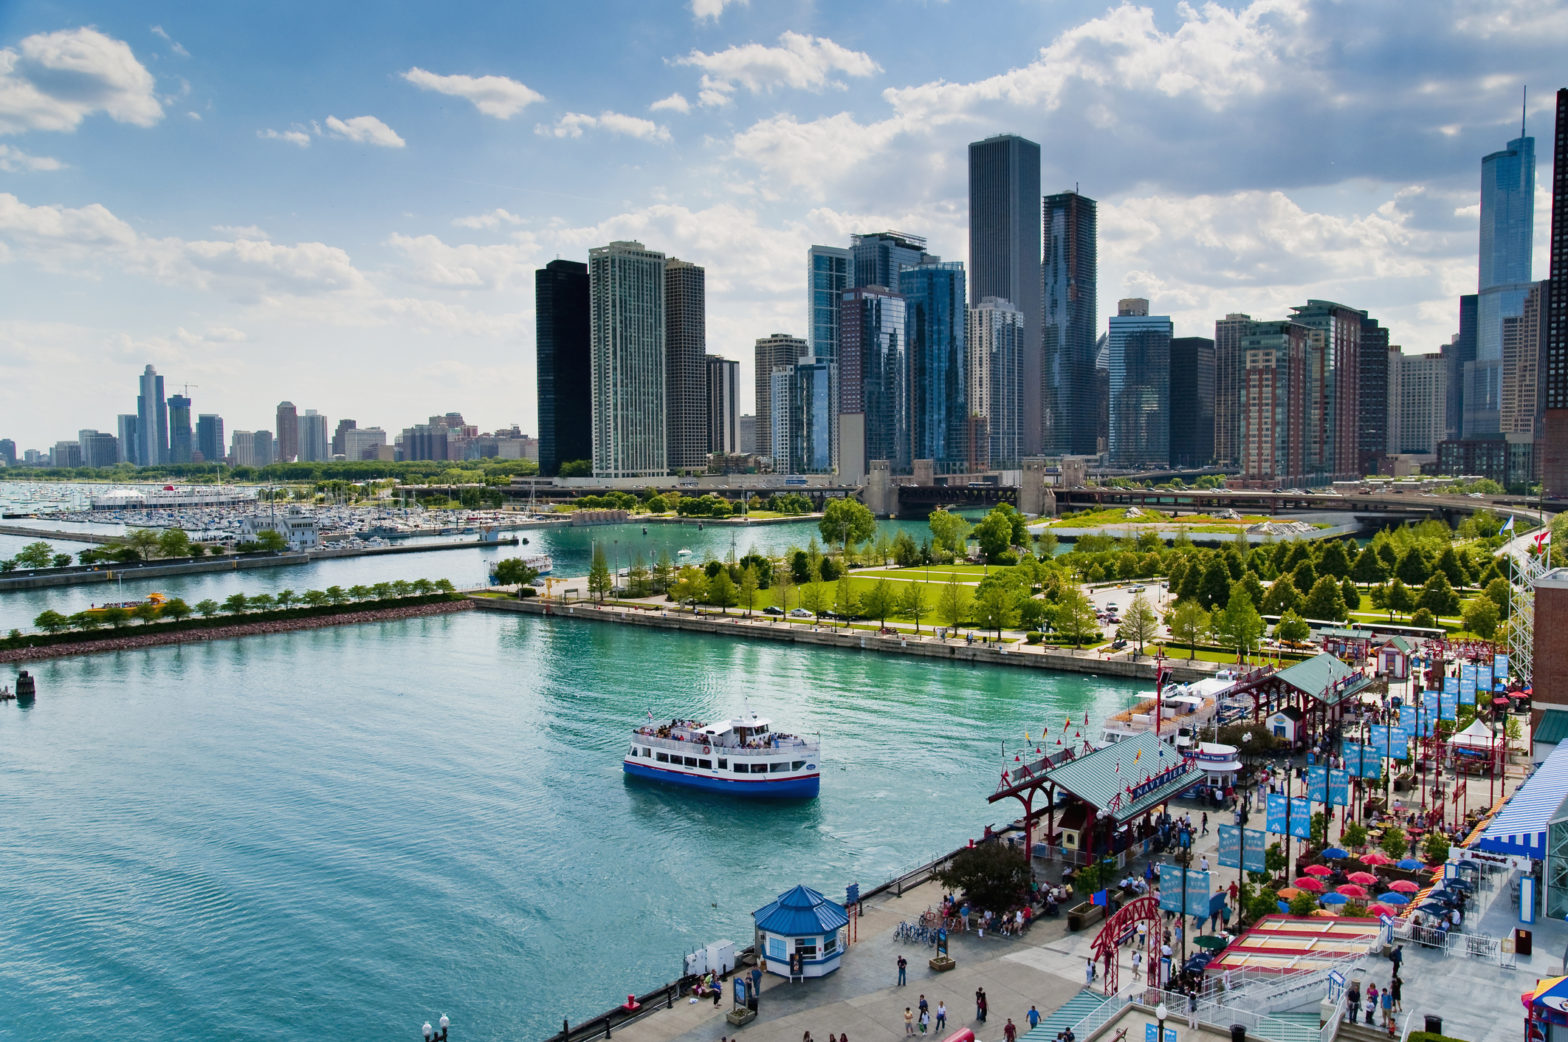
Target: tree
(721,590)
(51,621)
(272,540)
(1292,628)
(952,603)
(1480,617)
(336,595)
(60,561)
(1075,616)
(423,587)
(235,603)
(145,612)
(814,594)
(1354,835)
(994,533)
(1326,601)
(847,521)
(994,607)
(35,555)
(173,542)
(1412,567)
(1281,596)
(1438,597)
(261,602)
(1303,577)
(207,607)
(1189,622)
(1451,567)
(1351,593)
(663,573)
(1500,593)
(85,621)
(947,532)
(1396,597)
(784,581)
(844,598)
(600,582)
(117,616)
(1140,623)
(906,552)
(1238,625)
(316,598)
(359,592)
(1395,843)
(1435,847)
(176,609)
(1214,589)
(880,602)
(514,571)
(992,875)
(690,586)
(749,584)
(284,598)
(1368,568)
(1334,560)
(912,602)
(1424,618)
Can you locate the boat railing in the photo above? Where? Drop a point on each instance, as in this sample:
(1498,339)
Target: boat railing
(688,747)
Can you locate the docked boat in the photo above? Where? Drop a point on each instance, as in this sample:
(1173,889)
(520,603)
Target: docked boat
(1185,710)
(745,757)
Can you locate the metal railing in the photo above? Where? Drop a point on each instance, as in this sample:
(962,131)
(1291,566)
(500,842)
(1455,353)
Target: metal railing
(1330,1026)
(1264,991)
(692,747)
(1098,1017)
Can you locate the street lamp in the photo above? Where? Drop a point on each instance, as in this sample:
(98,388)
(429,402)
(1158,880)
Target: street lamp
(1160,1013)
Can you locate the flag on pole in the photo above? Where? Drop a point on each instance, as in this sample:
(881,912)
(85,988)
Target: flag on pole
(1136,755)
(1118,768)
(1509,527)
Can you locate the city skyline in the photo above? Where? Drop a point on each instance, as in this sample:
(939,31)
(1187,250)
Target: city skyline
(376,224)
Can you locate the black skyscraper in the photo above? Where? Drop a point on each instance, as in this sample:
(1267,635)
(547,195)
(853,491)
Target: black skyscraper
(1456,354)
(563,362)
(1372,404)
(1070,271)
(1192,401)
(1004,253)
(1554,467)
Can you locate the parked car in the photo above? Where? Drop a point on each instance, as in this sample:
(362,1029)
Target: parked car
(773,609)
(1118,644)
(799,613)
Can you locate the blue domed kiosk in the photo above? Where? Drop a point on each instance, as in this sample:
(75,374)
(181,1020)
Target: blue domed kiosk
(801,933)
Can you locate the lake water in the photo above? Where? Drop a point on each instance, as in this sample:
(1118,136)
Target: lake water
(346,831)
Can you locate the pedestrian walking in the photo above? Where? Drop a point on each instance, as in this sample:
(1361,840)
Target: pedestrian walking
(1192,1009)
(1033,1016)
(909,1022)
(981,1005)
(1010,1031)
(941,1015)
(922,1005)
(1088,972)
(1371,1002)
(1397,956)
(1387,1003)
(903,965)
(1396,986)
(925,1020)
(1205,831)
(1353,1001)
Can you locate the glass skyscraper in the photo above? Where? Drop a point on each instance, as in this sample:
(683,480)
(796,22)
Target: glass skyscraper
(152,420)
(994,333)
(880,256)
(180,444)
(626,333)
(934,300)
(1507,228)
(1070,272)
(563,371)
(813,417)
(829,272)
(1139,370)
(873,382)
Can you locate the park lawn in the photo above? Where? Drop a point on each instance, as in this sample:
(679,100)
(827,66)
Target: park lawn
(929,573)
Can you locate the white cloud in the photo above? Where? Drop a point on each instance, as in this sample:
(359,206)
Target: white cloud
(574,123)
(240,231)
(91,226)
(799,61)
(674,103)
(365,130)
(503,267)
(53,81)
(15,161)
(495,96)
(494,219)
(294,136)
(174,45)
(710,10)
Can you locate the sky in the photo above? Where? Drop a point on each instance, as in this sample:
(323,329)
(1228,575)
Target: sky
(342,204)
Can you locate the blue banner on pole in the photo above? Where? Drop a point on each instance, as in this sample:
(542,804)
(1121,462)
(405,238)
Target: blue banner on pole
(1448,708)
(1300,818)
(1467,692)
(1429,699)
(1317,784)
(1197,893)
(1339,788)
(1274,821)
(1378,737)
(1450,685)
(1170,888)
(1230,846)
(1254,848)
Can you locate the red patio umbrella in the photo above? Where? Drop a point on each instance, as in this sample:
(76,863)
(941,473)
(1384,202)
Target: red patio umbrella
(1308,884)
(1380,909)
(1364,878)
(1376,858)
(1352,890)
(1403,886)
(1318,870)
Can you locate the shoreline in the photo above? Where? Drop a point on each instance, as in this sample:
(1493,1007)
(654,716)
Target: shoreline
(135,641)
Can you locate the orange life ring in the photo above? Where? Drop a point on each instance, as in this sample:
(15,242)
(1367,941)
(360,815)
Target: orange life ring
(706,750)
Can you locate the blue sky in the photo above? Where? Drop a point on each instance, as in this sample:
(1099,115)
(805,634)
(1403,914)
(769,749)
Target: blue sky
(342,204)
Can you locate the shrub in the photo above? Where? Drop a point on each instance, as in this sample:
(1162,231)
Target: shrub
(1034,637)
(527,591)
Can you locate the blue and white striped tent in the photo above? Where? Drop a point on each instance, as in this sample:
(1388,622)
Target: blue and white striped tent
(1520,827)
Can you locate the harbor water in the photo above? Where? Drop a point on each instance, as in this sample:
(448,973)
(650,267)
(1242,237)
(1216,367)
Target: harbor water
(345,832)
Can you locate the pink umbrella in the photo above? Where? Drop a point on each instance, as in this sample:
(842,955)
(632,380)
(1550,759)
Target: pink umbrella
(1403,886)
(1375,858)
(1352,890)
(1308,884)
(1380,910)
(1318,870)
(1364,878)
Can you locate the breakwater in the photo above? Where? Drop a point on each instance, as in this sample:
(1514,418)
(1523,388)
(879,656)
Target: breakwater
(925,645)
(191,635)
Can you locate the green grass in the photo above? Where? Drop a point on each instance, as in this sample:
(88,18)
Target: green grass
(929,573)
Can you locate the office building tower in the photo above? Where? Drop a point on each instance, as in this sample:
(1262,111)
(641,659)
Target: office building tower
(1507,231)
(880,256)
(1102,392)
(286,442)
(314,447)
(564,364)
(994,334)
(338,444)
(781,384)
(1139,387)
(130,444)
(7,452)
(770,352)
(65,454)
(181,442)
(152,421)
(873,383)
(362,443)
(685,372)
(1228,370)
(1419,396)
(1273,403)
(1192,401)
(748,433)
(1521,407)
(97,450)
(1554,450)
(1333,389)
(251,448)
(1005,252)
(812,416)
(722,401)
(424,441)
(830,270)
(934,307)
(1457,354)
(1393,432)
(209,437)
(626,339)
(1372,398)
(1070,324)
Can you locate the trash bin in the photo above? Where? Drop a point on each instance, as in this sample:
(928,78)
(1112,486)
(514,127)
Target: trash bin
(1238,1033)
(1522,941)
(1434,1025)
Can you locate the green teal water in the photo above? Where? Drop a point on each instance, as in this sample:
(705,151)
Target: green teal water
(347,831)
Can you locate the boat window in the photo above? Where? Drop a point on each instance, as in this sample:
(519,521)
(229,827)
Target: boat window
(691,761)
(759,768)
(662,757)
(706,765)
(742,768)
(724,765)
(797,765)
(777,768)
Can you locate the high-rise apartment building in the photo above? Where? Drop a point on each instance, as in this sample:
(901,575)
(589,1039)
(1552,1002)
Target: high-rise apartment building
(130,444)
(7,452)
(1333,388)
(722,401)
(626,338)
(812,416)
(1004,253)
(286,442)
(1554,453)
(878,257)
(1524,356)
(1139,370)
(748,432)
(181,440)
(1372,398)
(97,450)
(995,331)
(830,270)
(1417,404)
(152,421)
(873,383)
(564,371)
(770,352)
(1507,232)
(209,437)
(1274,400)
(314,446)
(781,385)
(1192,401)
(1228,370)
(66,454)
(685,372)
(364,443)
(425,441)
(1070,272)
(343,427)
(934,307)
(251,448)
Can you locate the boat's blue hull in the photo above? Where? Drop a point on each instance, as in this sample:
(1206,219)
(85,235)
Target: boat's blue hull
(764,788)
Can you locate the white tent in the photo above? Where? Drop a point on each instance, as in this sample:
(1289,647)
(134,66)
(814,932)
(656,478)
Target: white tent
(1478,737)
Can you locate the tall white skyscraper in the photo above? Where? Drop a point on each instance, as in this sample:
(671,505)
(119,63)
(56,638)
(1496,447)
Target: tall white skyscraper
(152,420)
(995,332)
(626,342)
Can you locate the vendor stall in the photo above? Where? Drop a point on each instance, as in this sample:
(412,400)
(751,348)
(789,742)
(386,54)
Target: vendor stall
(801,933)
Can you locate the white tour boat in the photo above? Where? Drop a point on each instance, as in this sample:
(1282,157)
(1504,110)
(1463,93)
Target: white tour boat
(744,757)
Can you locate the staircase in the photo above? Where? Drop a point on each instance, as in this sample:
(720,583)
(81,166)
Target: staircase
(1360,1032)
(1294,1027)
(1066,1015)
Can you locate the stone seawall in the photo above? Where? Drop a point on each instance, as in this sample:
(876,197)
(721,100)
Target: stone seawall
(760,627)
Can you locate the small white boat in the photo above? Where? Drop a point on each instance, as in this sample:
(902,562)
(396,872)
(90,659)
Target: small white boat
(683,552)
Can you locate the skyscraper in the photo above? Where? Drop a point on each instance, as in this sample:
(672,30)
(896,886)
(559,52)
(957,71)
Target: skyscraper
(564,371)
(1457,355)
(934,303)
(152,421)
(97,450)
(1507,230)
(286,444)
(626,337)
(770,352)
(251,448)
(1228,369)
(723,404)
(7,452)
(781,386)
(994,332)
(829,272)
(340,433)
(1192,401)
(1421,404)
(1524,356)
(873,383)
(1333,388)
(812,416)
(313,444)
(209,437)
(879,257)
(1070,270)
(685,372)
(1273,403)
(1372,398)
(180,443)
(1004,253)
(1139,367)
(129,442)
(1554,464)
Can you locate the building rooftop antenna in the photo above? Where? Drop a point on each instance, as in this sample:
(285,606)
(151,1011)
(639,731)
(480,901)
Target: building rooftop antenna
(1523,108)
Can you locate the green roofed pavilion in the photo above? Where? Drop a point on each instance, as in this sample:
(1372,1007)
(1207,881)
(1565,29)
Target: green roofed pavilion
(1127,778)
